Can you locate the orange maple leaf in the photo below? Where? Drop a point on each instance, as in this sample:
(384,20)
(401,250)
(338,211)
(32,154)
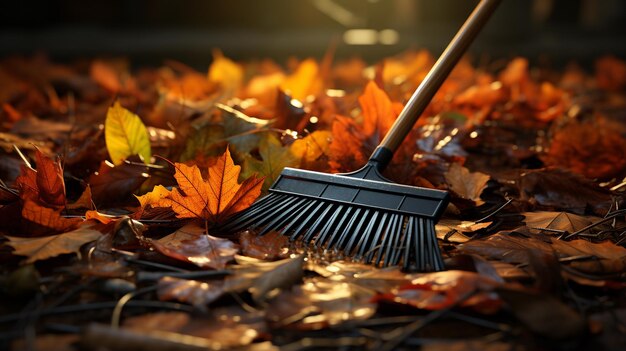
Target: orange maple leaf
(213,199)
(379,112)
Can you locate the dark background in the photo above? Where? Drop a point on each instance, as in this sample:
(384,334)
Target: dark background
(148,31)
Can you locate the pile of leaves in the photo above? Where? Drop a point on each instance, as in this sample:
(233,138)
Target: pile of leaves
(113,182)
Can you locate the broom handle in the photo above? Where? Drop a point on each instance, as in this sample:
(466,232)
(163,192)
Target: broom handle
(431,83)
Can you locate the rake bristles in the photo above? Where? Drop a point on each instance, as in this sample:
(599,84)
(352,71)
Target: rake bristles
(371,235)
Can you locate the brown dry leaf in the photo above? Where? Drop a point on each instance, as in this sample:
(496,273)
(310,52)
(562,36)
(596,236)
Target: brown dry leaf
(606,257)
(561,221)
(466,184)
(224,328)
(84,201)
(320,303)
(111,184)
(439,290)
(192,244)
(197,293)
(378,279)
(48,342)
(270,246)
(563,190)
(50,246)
(261,278)
(48,217)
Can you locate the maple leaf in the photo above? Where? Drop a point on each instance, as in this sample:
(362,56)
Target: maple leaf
(50,246)
(192,244)
(45,185)
(562,221)
(214,199)
(304,81)
(348,149)
(125,135)
(379,112)
(225,72)
(274,157)
(466,184)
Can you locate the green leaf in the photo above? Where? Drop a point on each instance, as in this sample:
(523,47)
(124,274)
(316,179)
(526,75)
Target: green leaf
(274,157)
(125,135)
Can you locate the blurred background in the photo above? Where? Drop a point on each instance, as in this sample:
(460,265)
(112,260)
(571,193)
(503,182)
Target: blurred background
(148,31)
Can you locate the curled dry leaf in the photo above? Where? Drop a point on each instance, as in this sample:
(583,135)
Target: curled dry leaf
(439,290)
(320,303)
(50,246)
(44,185)
(191,244)
(260,278)
(270,246)
(378,279)
(466,184)
(194,292)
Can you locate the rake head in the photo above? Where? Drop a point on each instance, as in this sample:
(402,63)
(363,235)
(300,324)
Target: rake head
(371,220)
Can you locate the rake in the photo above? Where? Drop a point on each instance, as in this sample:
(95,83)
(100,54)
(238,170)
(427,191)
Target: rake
(363,215)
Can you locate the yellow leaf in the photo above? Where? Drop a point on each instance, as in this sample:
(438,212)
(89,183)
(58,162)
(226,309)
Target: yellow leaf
(153,198)
(312,146)
(50,246)
(225,72)
(304,81)
(274,156)
(467,185)
(125,135)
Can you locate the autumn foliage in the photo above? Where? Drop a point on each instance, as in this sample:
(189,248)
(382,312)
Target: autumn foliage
(114,183)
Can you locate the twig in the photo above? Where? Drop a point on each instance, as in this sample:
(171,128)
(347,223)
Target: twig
(117,311)
(154,276)
(495,212)
(11,318)
(608,217)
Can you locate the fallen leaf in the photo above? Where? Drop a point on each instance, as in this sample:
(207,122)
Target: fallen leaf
(84,201)
(226,73)
(466,184)
(320,303)
(348,149)
(544,314)
(165,321)
(112,184)
(125,135)
(200,294)
(311,148)
(260,278)
(105,75)
(41,248)
(270,246)
(212,200)
(562,190)
(379,112)
(561,221)
(274,157)
(439,290)
(304,81)
(595,148)
(606,257)
(48,217)
(45,185)
(192,244)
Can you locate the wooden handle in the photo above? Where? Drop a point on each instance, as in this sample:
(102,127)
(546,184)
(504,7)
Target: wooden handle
(437,75)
